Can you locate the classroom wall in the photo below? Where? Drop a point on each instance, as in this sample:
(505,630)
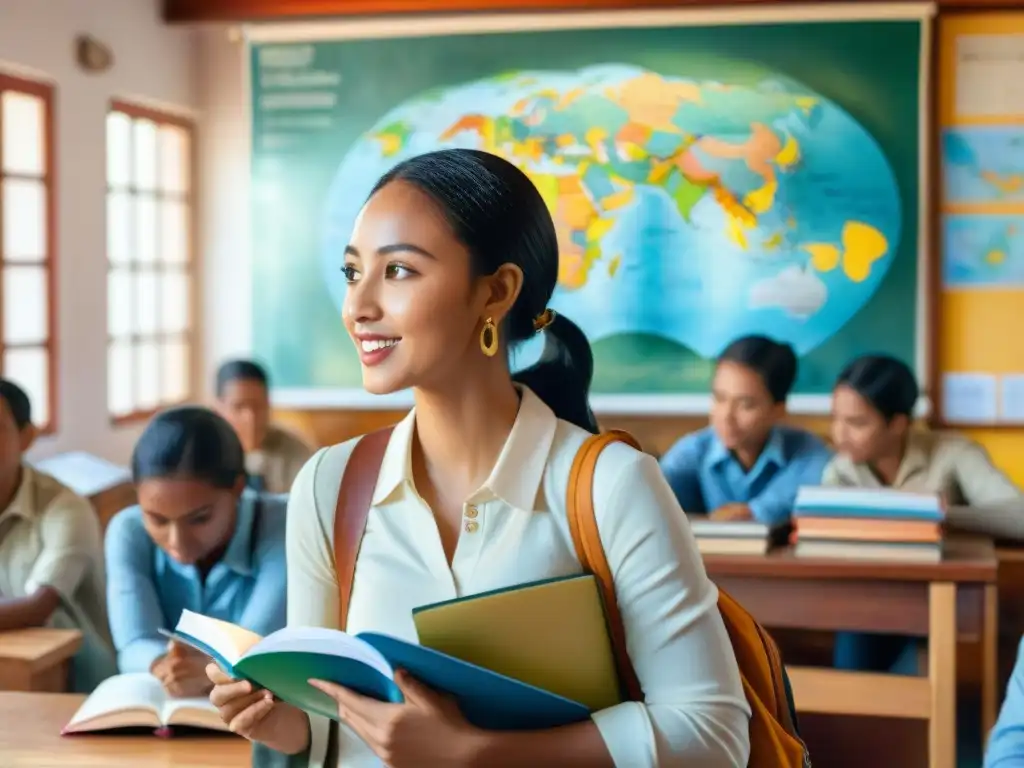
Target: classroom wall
(153,65)
(224,180)
(973,324)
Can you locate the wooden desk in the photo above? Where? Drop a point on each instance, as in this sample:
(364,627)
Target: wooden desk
(936,601)
(37,659)
(30,725)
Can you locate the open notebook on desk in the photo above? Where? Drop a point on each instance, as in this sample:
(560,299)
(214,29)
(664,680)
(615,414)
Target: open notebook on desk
(138,700)
(284,661)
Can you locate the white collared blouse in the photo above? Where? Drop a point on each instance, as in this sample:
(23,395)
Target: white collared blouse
(515,531)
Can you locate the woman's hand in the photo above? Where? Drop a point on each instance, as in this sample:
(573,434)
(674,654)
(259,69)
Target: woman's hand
(254,714)
(427,730)
(181,671)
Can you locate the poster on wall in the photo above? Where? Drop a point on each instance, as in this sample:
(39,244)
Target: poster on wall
(709,176)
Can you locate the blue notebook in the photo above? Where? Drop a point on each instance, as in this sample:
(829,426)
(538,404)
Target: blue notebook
(284,661)
(867,503)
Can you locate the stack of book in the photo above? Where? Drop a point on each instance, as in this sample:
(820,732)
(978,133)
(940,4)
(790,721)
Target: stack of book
(736,537)
(868,524)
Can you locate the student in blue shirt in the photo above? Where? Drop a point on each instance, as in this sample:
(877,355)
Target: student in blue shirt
(194,541)
(746,464)
(1006,742)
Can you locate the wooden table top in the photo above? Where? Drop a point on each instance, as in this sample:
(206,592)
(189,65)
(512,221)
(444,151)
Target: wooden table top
(40,648)
(30,725)
(967,559)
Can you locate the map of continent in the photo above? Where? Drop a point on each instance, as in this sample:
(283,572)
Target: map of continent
(983,164)
(689,210)
(983,250)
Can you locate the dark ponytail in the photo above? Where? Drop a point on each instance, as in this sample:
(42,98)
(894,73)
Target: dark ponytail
(497,213)
(564,370)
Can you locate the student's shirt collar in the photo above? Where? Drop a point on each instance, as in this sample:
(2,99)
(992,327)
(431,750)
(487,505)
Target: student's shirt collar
(238,555)
(24,503)
(517,474)
(773,453)
(915,457)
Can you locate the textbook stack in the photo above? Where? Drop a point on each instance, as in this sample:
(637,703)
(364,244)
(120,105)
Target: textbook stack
(868,524)
(735,537)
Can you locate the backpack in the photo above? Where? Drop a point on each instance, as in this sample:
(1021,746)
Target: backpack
(774,738)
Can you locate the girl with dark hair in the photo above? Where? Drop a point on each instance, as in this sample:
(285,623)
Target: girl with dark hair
(193,541)
(747,464)
(872,412)
(452,261)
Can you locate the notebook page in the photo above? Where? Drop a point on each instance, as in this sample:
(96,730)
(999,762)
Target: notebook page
(195,711)
(139,690)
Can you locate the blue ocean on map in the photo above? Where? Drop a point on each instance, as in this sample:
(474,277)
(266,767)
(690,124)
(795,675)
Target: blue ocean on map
(983,164)
(983,251)
(675,200)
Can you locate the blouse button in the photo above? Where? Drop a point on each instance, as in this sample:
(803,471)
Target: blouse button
(472,512)
(472,527)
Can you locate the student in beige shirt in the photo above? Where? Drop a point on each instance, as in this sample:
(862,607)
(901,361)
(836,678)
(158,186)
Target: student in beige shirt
(453,261)
(273,456)
(872,413)
(51,555)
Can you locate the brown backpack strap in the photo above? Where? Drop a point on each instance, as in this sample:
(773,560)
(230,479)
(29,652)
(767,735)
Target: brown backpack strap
(587,540)
(354,497)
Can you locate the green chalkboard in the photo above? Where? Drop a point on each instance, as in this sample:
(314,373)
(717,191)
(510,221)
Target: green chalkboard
(747,178)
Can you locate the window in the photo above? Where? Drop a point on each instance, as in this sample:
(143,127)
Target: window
(149,249)
(27,247)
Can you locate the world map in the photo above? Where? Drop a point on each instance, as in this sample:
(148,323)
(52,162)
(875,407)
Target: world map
(983,164)
(983,250)
(688,210)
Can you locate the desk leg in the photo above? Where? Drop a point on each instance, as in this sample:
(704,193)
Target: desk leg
(989,661)
(942,675)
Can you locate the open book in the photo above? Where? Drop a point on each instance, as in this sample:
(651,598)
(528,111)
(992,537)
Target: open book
(138,700)
(284,661)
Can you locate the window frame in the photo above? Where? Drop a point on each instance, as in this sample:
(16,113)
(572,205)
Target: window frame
(45,92)
(136,111)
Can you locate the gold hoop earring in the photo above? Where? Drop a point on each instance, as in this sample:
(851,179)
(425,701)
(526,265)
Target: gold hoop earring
(489,338)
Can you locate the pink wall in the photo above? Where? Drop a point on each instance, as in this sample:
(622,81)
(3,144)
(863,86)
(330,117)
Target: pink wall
(154,65)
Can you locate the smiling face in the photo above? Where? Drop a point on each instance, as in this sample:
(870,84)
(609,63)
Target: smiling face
(413,308)
(190,520)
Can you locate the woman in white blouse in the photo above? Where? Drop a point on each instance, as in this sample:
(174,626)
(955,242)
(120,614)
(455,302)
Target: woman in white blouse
(451,262)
